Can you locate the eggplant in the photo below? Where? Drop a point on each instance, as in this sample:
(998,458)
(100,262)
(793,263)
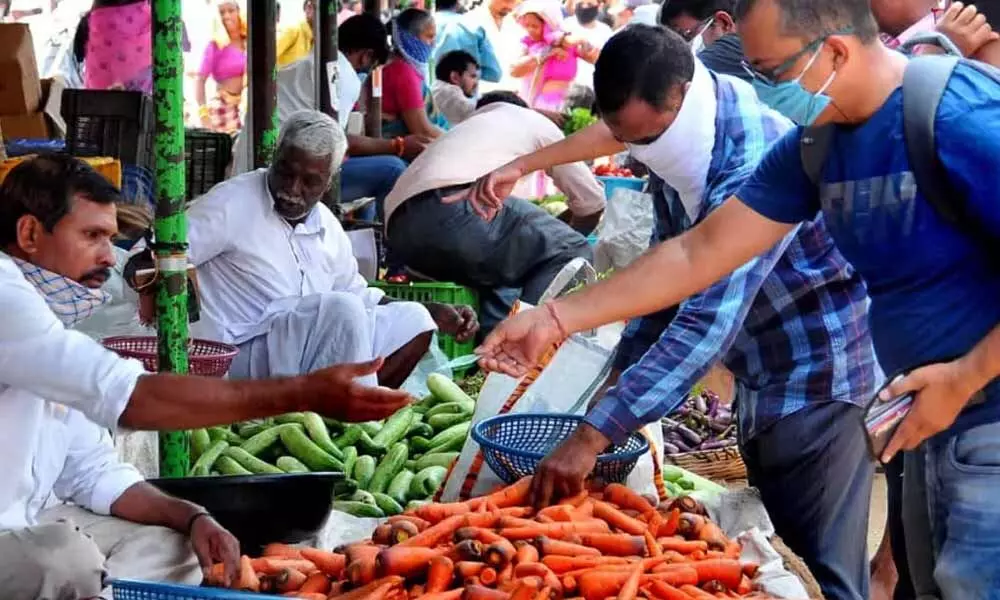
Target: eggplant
(713,406)
(716,444)
(700,405)
(689,435)
(671,448)
(718,427)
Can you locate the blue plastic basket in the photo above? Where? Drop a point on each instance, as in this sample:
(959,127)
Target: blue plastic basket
(613,183)
(513,445)
(127,589)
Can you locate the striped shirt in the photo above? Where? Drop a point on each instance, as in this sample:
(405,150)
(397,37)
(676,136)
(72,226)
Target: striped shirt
(791,324)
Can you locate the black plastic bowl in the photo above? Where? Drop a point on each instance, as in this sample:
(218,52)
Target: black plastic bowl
(261,509)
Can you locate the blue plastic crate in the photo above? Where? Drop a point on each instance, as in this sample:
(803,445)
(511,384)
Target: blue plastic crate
(127,589)
(613,183)
(514,444)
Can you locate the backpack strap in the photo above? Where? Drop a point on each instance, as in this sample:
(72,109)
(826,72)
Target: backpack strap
(814,147)
(931,38)
(924,83)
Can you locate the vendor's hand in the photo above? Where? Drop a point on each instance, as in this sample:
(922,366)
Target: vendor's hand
(489,193)
(337,394)
(966,27)
(456,320)
(518,343)
(413,145)
(941,392)
(564,471)
(214,544)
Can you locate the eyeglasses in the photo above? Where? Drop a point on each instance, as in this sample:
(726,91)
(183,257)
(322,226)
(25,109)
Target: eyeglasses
(771,76)
(693,32)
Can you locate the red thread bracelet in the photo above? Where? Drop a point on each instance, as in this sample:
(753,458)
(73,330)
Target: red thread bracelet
(551,307)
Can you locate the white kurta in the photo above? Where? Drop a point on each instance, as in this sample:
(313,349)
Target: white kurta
(259,277)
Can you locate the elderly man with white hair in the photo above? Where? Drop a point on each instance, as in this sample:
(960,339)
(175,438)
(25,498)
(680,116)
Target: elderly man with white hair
(278,277)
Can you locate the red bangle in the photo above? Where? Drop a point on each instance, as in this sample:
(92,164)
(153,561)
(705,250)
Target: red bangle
(399,144)
(551,307)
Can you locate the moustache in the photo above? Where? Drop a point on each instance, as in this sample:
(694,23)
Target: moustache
(101,275)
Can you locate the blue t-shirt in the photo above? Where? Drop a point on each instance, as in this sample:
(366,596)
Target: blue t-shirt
(934,293)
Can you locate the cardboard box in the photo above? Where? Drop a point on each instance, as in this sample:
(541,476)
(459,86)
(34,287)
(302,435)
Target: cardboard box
(20,88)
(30,126)
(46,123)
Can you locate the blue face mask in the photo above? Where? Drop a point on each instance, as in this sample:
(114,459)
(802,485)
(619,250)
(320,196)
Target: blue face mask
(794,101)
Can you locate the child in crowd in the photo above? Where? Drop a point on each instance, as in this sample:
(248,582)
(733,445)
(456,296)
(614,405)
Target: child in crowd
(454,91)
(550,55)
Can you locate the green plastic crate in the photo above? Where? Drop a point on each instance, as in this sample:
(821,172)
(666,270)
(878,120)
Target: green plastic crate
(444,293)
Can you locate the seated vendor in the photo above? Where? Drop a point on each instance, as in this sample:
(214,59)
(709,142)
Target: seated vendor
(72,514)
(522,247)
(455,86)
(279,279)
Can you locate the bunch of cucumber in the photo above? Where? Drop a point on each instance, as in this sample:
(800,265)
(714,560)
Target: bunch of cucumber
(389,465)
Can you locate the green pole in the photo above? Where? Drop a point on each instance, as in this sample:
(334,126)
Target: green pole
(171,222)
(263,81)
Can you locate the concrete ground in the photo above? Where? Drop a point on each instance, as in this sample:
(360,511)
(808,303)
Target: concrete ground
(876,519)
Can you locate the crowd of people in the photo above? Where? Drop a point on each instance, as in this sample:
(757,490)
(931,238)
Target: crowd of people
(815,232)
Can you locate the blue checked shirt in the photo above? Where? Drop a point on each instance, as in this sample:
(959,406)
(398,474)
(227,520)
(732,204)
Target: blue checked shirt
(791,325)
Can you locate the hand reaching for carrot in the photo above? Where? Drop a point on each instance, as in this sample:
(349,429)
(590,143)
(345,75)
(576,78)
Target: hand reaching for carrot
(563,472)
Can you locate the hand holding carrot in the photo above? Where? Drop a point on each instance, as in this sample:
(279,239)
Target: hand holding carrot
(563,472)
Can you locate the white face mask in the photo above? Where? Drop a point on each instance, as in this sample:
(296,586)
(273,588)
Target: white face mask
(698,41)
(683,154)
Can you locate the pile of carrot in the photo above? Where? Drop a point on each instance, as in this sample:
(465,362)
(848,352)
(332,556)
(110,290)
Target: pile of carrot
(598,545)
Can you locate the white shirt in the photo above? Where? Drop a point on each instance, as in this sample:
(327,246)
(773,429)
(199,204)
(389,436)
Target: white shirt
(506,42)
(44,365)
(452,102)
(596,36)
(252,265)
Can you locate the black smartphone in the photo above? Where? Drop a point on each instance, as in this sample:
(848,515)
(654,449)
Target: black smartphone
(881,419)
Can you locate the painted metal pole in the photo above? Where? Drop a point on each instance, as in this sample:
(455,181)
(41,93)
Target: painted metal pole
(263,80)
(171,222)
(326,75)
(373,86)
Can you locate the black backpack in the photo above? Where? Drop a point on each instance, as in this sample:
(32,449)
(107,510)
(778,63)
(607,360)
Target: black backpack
(924,83)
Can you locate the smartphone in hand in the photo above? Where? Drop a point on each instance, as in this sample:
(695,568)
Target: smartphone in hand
(882,418)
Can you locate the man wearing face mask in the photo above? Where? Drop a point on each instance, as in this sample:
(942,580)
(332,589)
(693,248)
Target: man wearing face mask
(373,164)
(791,325)
(278,277)
(585,24)
(709,26)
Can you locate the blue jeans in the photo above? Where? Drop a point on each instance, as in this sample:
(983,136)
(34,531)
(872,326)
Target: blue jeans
(963,487)
(369,176)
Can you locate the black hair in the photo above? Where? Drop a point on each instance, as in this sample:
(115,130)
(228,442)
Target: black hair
(45,187)
(446,5)
(641,62)
(412,20)
(814,18)
(456,61)
(580,96)
(501,96)
(364,32)
(697,9)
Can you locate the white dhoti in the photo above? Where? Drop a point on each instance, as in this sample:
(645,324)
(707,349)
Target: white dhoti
(326,329)
(71,553)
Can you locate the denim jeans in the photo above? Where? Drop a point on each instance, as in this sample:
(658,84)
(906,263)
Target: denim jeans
(369,176)
(963,498)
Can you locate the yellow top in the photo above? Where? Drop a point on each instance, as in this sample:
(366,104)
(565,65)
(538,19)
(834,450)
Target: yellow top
(294,43)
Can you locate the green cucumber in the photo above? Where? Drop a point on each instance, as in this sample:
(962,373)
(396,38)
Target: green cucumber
(252,428)
(344,488)
(363,496)
(364,470)
(350,457)
(358,509)
(426,482)
(250,462)
(349,437)
(391,464)
(334,425)
(388,504)
(438,459)
(415,504)
(292,417)
(451,408)
(448,391)
(672,473)
(366,445)
(420,430)
(371,427)
(224,433)
(290,464)
(264,440)
(318,433)
(399,487)
(228,466)
(419,444)
(451,438)
(199,443)
(395,428)
(301,447)
(205,462)
(443,422)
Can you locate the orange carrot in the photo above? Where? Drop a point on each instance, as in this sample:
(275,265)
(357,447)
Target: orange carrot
(466,568)
(381,534)
(416,591)
(337,588)
(510,521)
(554,530)
(488,576)
(745,586)
(401,531)
(328,563)
(377,589)
(712,534)
(505,574)
(544,519)
(630,588)
(652,548)
(682,546)
(216,575)
(290,580)
(526,588)
(557,512)
(665,591)
(733,549)
(750,569)
(247,579)
(447,595)
(617,519)
(362,571)
(517,511)
(696,593)
(538,570)
(318,583)
(568,583)
(435,534)
(547,546)
(512,495)
(421,524)
(545,593)
(584,511)
(499,550)
(468,550)
(563,564)
(439,574)
(673,522)
(277,550)
(599,584)
(405,561)
(434,513)
(726,571)
(478,592)
(690,525)
(615,544)
(616,493)
(526,553)
(305,595)
(486,519)
(274,566)
(499,554)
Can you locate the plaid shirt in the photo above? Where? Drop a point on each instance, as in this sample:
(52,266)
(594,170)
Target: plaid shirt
(791,324)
